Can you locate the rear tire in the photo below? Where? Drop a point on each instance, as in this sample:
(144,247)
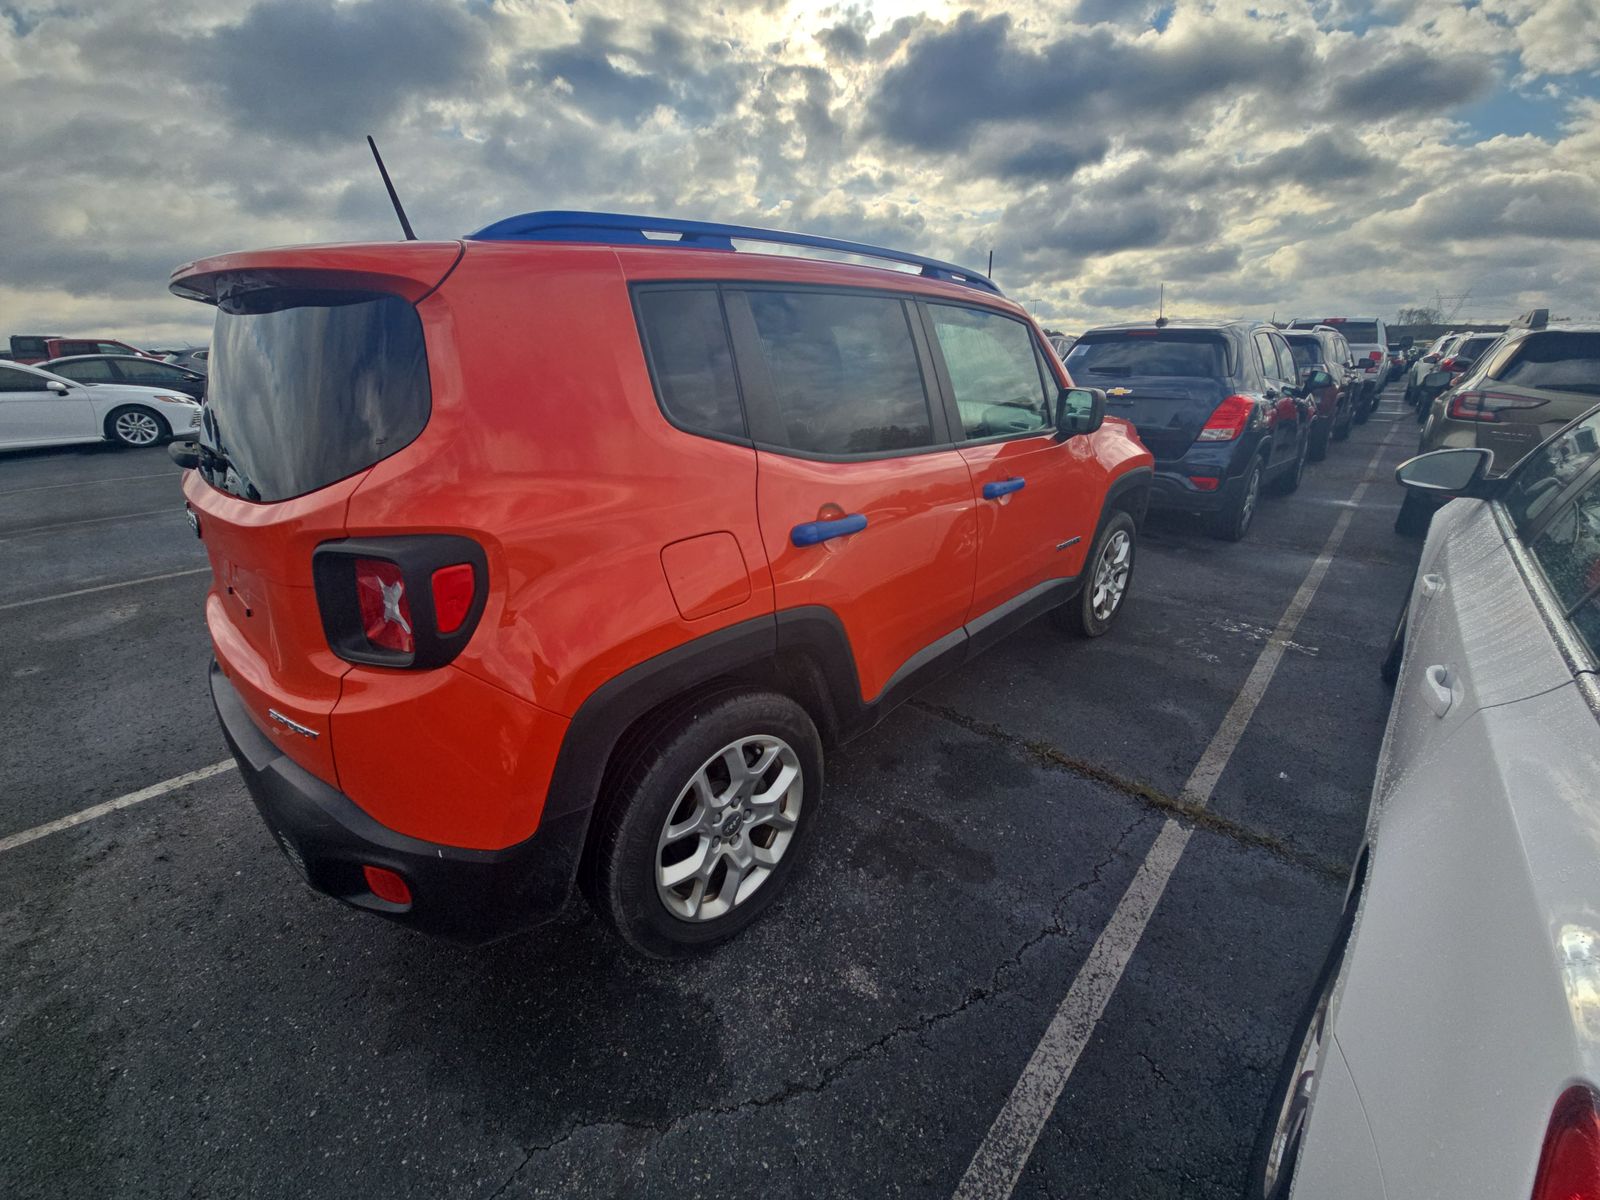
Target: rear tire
(1233,522)
(1318,450)
(1341,423)
(1361,407)
(136,426)
(1107,576)
(746,830)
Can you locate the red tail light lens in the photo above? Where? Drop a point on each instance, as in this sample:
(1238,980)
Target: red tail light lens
(1375,355)
(453,589)
(385,610)
(1487,406)
(1569,1164)
(1228,420)
(1204,483)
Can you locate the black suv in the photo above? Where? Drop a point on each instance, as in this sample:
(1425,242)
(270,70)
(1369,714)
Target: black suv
(1217,403)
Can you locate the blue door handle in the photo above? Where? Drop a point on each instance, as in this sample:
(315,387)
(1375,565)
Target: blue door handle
(812,532)
(1003,487)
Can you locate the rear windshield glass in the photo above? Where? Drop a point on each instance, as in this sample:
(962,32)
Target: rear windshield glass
(321,386)
(1175,353)
(1353,331)
(1307,351)
(1565,362)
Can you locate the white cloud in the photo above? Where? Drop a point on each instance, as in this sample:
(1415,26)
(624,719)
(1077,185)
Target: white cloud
(1257,156)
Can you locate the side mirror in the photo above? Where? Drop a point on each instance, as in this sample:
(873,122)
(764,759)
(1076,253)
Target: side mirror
(1080,410)
(56,386)
(1452,472)
(1317,380)
(1436,379)
(185,454)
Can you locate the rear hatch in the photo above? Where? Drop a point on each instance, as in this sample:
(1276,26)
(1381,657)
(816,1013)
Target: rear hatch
(317,373)
(1553,378)
(1166,381)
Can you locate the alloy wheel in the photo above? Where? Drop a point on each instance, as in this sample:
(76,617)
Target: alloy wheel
(1111,575)
(1252,492)
(137,428)
(729,827)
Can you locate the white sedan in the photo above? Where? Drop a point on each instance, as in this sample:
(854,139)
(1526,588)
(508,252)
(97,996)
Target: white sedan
(1452,1045)
(41,409)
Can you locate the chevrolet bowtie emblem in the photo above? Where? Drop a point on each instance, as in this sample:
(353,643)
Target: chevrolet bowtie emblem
(1119,391)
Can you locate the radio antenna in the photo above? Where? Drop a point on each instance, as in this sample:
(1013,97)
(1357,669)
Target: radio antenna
(394,198)
(990,271)
(1161,309)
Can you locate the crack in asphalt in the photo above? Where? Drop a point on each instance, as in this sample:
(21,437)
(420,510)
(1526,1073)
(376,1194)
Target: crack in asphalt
(1058,927)
(1044,754)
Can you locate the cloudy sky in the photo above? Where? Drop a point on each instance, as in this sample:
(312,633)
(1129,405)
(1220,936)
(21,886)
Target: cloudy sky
(1258,156)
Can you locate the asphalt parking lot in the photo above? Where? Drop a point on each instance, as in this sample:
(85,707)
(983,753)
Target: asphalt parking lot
(181,1017)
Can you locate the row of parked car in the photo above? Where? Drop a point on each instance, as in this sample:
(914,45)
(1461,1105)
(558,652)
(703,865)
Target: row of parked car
(58,391)
(1231,409)
(1504,392)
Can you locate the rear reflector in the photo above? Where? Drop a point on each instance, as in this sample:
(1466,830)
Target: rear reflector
(1204,483)
(1569,1164)
(1487,406)
(387,885)
(385,610)
(1375,355)
(1228,419)
(453,589)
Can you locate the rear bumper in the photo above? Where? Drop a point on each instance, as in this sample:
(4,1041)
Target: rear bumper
(469,896)
(1171,488)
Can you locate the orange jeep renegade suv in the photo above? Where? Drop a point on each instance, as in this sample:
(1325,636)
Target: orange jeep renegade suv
(558,553)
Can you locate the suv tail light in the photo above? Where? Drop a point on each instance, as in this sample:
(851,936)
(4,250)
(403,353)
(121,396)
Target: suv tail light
(385,608)
(1375,355)
(407,602)
(1487,406)
(1569,1163)
(1229,419)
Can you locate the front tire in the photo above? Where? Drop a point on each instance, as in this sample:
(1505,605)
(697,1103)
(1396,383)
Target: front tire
(134,426)
(1414,517)
(1289,482)
(1233,522)
(1318,450)
(699,833)
(1108,573)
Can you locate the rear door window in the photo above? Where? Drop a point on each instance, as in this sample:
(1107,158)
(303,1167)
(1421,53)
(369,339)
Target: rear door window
(844,372)
(1307,352)
(143,371)
(994,371)
(1178,354)
(1562,362)
(686,340)
(94,370)
(310,387)
(1285,358)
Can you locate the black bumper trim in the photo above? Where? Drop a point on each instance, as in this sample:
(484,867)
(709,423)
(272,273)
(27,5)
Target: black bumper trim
(469,896)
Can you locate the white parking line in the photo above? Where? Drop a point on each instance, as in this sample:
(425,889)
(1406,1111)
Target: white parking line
(104,587)
(995,1168)
(8,534)
(83,483)
(14,840)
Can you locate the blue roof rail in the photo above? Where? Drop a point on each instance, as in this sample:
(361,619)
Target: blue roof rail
(620,229)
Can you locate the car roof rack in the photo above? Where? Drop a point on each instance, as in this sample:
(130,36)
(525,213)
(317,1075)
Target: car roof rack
(620,229)
(1534,318)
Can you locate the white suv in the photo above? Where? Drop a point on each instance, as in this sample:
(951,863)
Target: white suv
(1452,1045)
(1369,342)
